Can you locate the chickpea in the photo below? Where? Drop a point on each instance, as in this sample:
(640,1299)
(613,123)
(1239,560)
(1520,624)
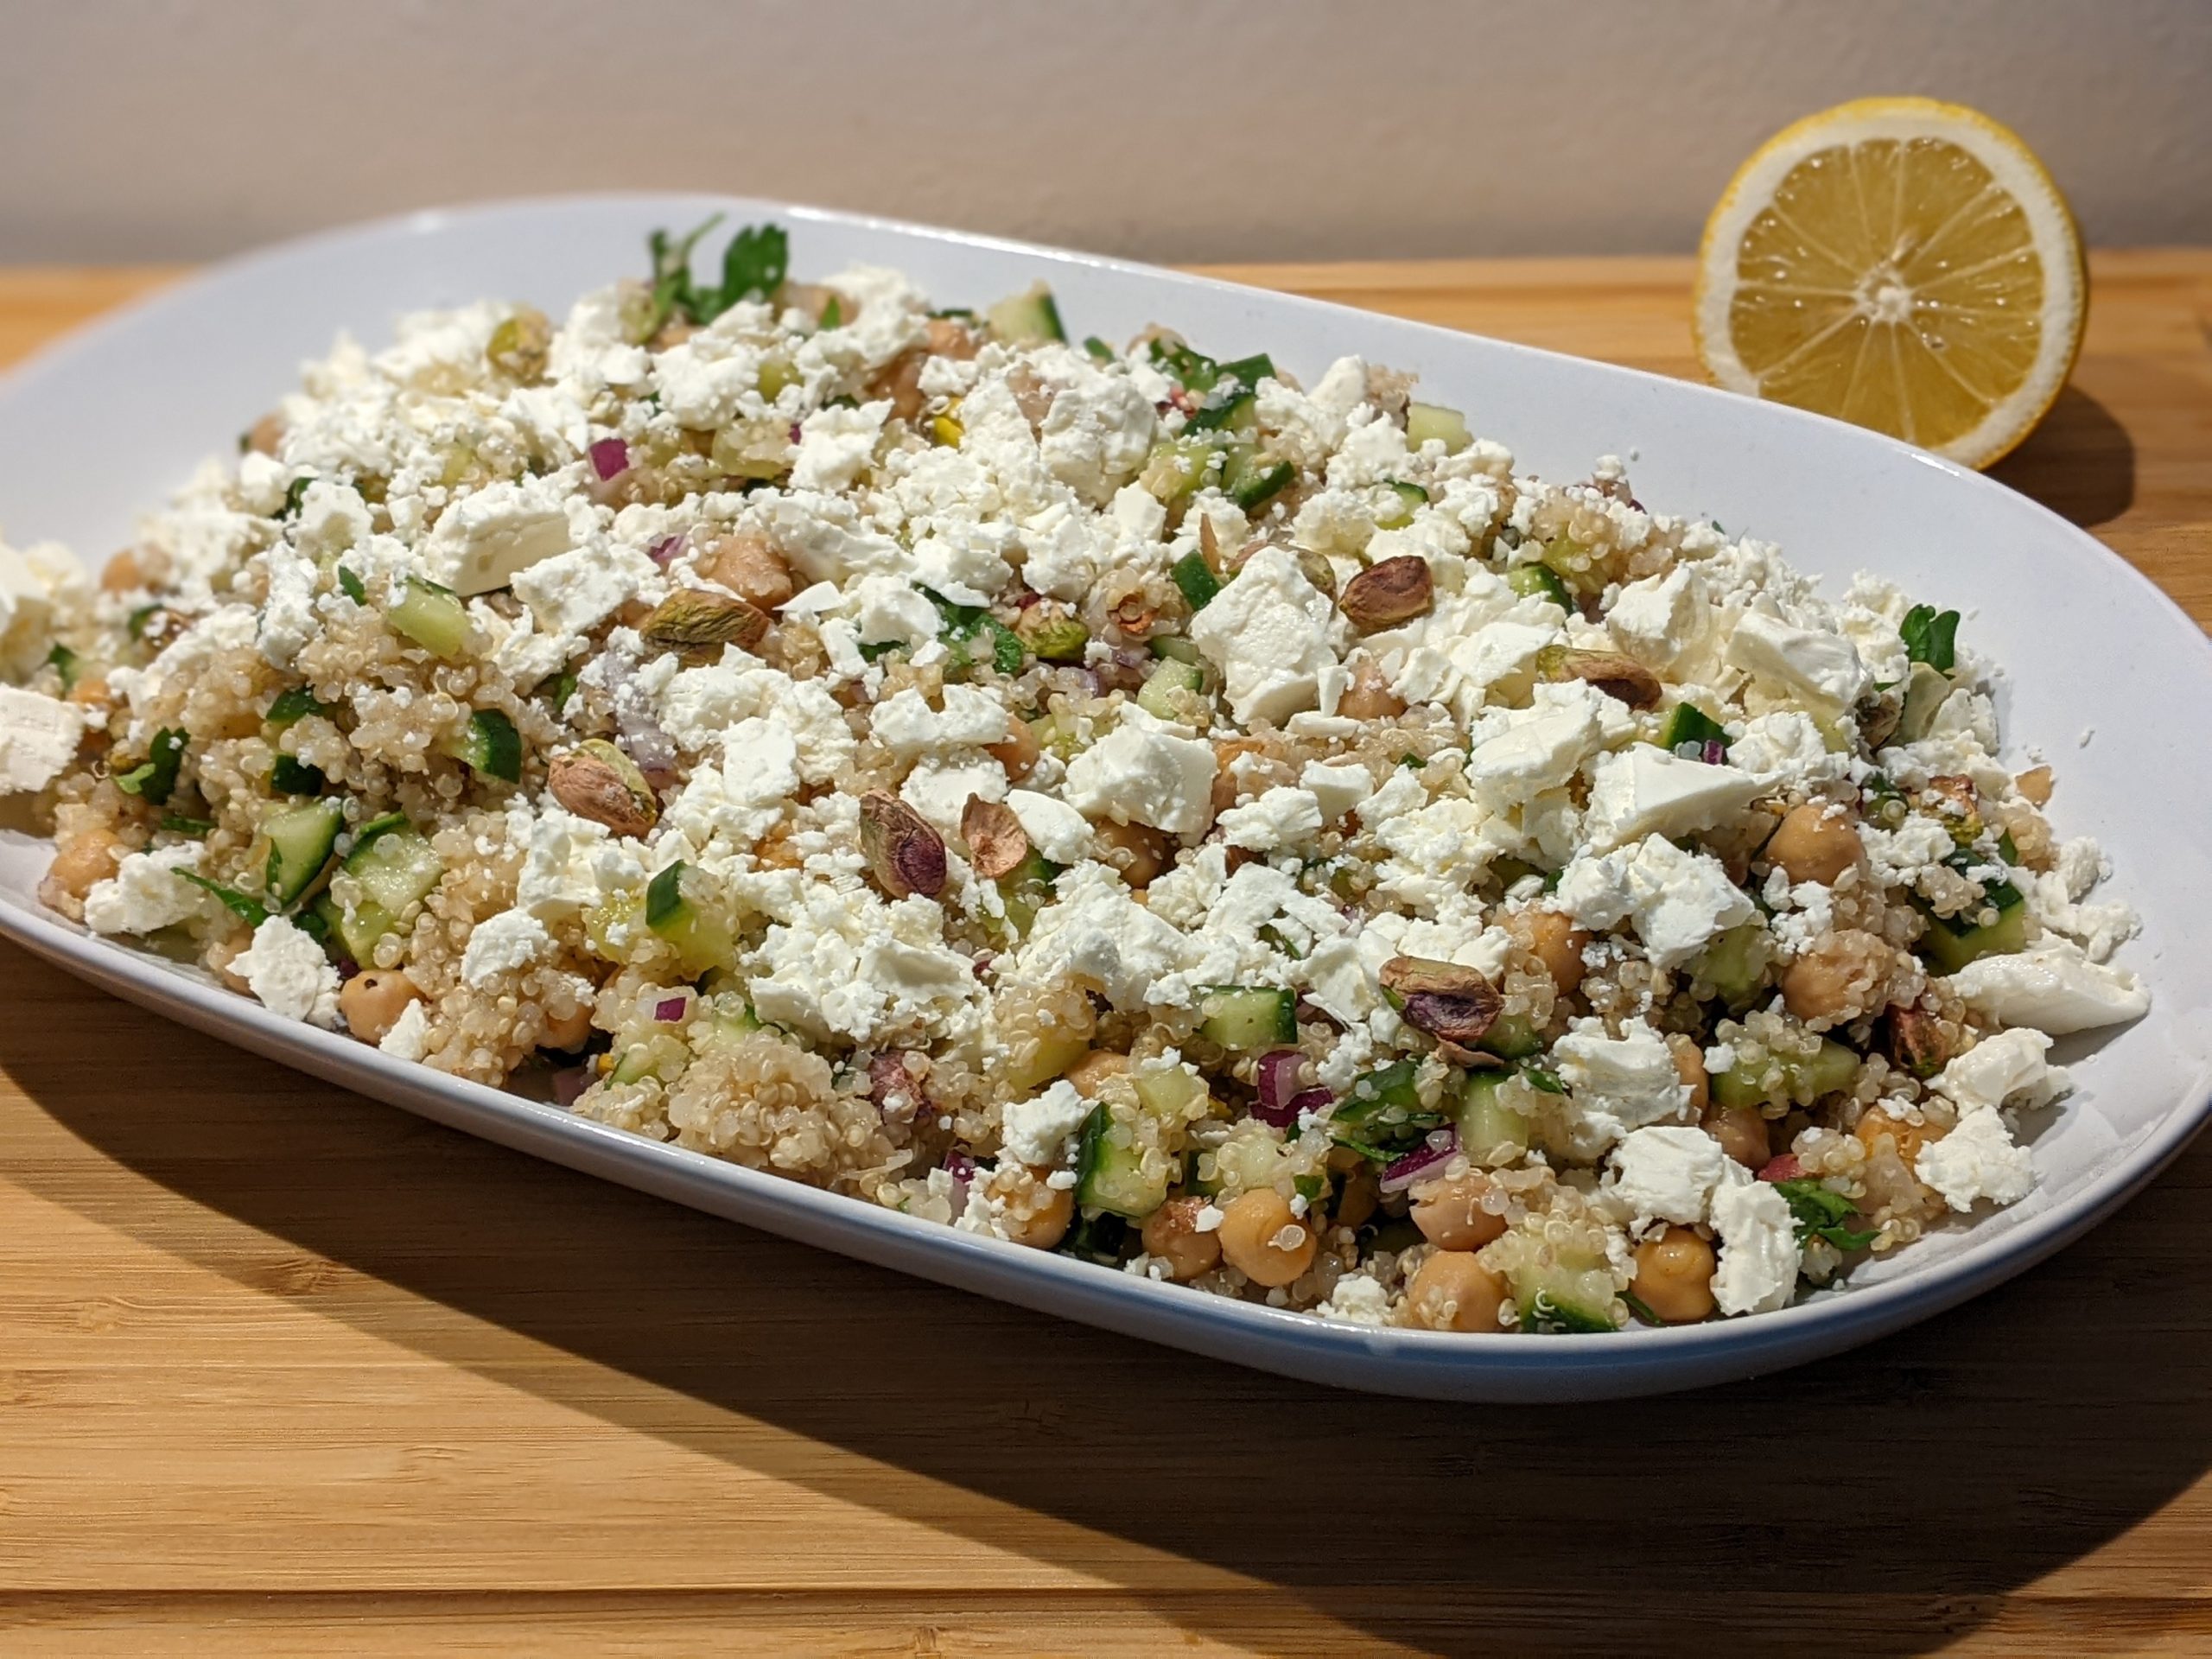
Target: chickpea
(1742,1134)
(1689,1066)
(1170,1233)
(373,1001)
(91,857)
(1263,1241)
(1450,1213)
(92,692)
(1089,1073)
(124,574)
(751,569)
(1019,751)
(1227,787)
(1045,1223)
(569,1031)
(1557,943)
(1454,1290)
(1674,1275)
(1367,697)
(1814,842)
(901,382)
(1843,977)
(1139,852)
(265,434)
(949,337)
(1909,1138)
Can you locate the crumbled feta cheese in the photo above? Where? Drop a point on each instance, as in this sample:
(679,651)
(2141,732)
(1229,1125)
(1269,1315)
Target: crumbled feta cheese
(38,738)
(1822,667)
(2054,987)
(1282,817)
(576,591)
(1094,928)
(504,943)
(1516,754)
(289,972)
(1056,829)
(1269,632)
(1759,1256)
(1041,1132)
(146,892)
(1658,620)
(905,724)
(1145,772)
(1976,1161)
(1643,790)
(835,445)
(408,1038)
(1618,1084)
(490,536)
(1676,901)
(1337,789)
(1667,1174)
(2005,1066)
(1358,1298)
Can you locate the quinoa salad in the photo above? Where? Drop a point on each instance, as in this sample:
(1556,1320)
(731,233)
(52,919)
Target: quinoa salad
(1128,803)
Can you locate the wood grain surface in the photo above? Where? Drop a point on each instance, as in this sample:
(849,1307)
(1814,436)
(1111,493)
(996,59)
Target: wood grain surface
(282,1371)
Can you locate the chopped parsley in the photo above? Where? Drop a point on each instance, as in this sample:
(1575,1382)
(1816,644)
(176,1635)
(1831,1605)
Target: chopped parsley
(833,315)
(664,895)
(295,702)
(352,586)
(1821,1213)
(294,776)
(65,663)
(295,493)
(1931,637)
(240,904)
(196,828)
(155,777)
(753,267)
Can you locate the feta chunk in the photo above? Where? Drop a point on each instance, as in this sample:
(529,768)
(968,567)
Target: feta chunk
(1094,928)
(1667,1174)
(1676,901)
(1041,1132)
(1643,790)
(147,893)
(2054,988)
(1055,829)
(2005,1066)
(1618,1084)
(1657,620)
(1823,668)
(1268,633)
(1976,1161)
(576,591)
(38,739)
(1759,1256)
(1337,789)
(489,537)
(1282,817)
(1144,771)
(504,943)
(289,972)
(410,1036)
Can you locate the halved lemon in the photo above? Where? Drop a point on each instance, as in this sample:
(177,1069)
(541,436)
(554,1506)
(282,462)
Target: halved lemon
(1900,263)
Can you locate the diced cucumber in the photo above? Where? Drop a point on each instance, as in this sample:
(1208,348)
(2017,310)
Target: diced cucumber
(1381,1115)
(1950,947)
(661,1055)
(1735,963)
(293,704)
(1250,476)
(1925,691)
(433,617)
(1026,889)
(1490,1130)
(1195,577)
(394,867)
(1169,1094)
(1109,1173)
(1561,1302)
(1245,1017)
(491,746)
(1793,1082)
(1177,467)
(1539,582)
(1411,499)
(1448,426)
(1687,723)
(698,930)
(1512,1037)
(300,843)
(1166,686)
(1027,319)
(1231,410)
(1175,648)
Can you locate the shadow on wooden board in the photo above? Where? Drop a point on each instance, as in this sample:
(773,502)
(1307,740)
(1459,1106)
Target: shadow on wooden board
(1893,1497)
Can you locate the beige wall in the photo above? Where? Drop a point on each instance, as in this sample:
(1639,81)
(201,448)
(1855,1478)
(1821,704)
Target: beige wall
(1173,129)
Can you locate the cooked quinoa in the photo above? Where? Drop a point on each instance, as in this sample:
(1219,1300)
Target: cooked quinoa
(1125,802)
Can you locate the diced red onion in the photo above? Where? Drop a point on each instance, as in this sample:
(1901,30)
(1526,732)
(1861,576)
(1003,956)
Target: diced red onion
(1431,1155)
(670,1008)
(664,551)
(569,1084)
(1025,598)
(961,1168)
(1310,1100)
(890,1076)
(1278,1082)
(1714,753)
(1782,1168)
(611,456)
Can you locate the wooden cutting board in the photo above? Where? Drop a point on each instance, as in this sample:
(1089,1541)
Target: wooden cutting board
(282,1371)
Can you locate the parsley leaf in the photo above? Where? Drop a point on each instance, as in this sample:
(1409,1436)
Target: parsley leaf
(181,825)
(295,493)
(352,586)
(833,315)
(753,267)
(1931,637)
(1821,1213)
(64,665)
(244,904)
(154,778)
(664,895)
